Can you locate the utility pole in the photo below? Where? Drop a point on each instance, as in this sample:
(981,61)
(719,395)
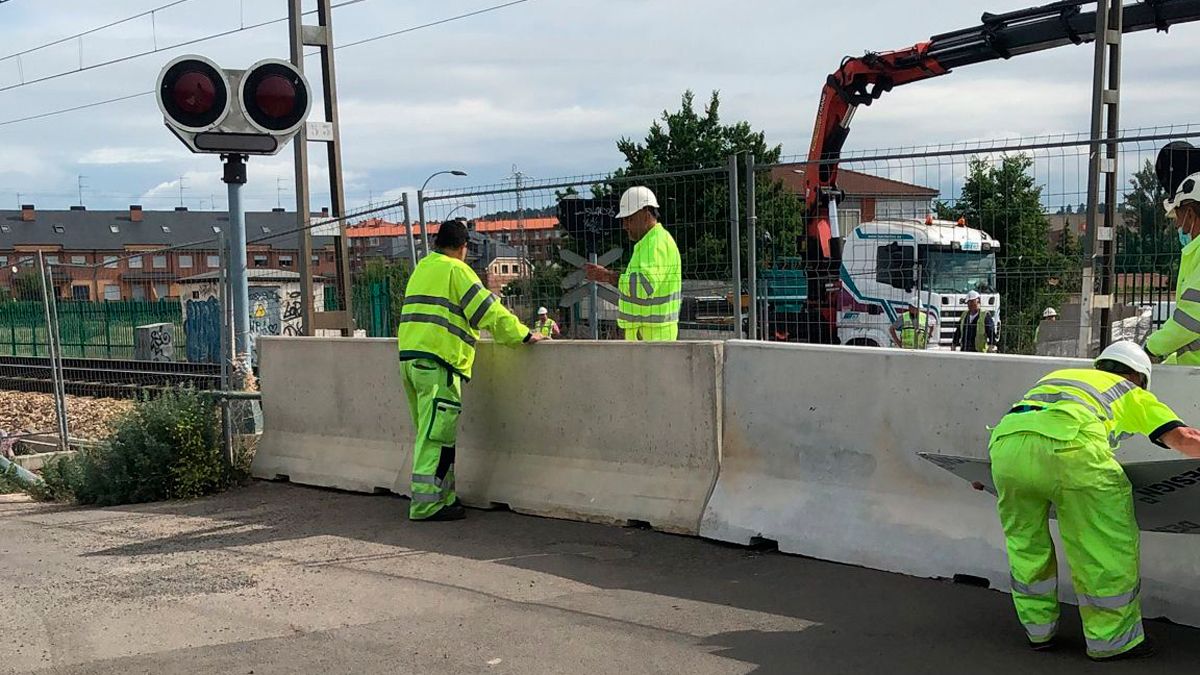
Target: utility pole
(329,133)
(518,178)
(235,178)
(1097,284)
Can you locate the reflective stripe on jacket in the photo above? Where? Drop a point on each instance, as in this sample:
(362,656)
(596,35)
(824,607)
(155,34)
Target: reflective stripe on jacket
(651,288)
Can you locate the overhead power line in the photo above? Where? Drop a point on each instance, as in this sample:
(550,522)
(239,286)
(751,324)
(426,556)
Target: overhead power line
(62,111)
(156,50)
(89,31)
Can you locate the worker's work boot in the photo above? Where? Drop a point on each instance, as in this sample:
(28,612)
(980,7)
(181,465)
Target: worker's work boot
(1047,646)
(453,512)
(1144,650)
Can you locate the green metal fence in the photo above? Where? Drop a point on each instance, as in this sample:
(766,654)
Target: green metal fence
(375,310)
(88,329)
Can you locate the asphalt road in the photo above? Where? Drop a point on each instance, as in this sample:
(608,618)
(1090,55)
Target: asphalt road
(281,579)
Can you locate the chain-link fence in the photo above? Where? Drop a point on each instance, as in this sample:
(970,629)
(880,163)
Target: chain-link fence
(928,226)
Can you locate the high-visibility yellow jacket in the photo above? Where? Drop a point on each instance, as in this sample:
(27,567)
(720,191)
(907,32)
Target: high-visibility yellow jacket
(652,286)
(1066,401)
(914,333)
(445,307)
(1179,337)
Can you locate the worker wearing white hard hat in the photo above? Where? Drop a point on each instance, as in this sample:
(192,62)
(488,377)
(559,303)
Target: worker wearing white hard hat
(651,289)
(1050,314)
(968,336)
(1178,171)
(545,326)
(1055,448)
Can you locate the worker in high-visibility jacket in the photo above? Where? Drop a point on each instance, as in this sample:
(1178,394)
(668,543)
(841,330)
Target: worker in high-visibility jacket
(912,329)
(651,289)
(1178,340)
(445,307)
(1055,448)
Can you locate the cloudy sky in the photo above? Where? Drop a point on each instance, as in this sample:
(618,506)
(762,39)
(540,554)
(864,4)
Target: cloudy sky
(546,86)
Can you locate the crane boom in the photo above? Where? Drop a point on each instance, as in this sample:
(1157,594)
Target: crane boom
(862,80)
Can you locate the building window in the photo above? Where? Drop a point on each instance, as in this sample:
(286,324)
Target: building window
(260,261)
(166,229)
(285,261)
(213,261)
(3,260)
(59,229)
(114,229)
(78,260)
(81,293)
(110,261)
(160,291)
(316,259)
(135,263)
(27,262)
(185,262)
(51,260)
(112,292)
(504,269)
(159,262)
(139,292)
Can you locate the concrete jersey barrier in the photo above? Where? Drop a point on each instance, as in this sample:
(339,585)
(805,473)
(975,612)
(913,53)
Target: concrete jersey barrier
(600,431)
(819,456)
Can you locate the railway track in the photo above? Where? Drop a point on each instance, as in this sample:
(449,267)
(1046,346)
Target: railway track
(106,377)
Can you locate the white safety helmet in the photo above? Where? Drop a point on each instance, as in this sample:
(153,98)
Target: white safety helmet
(542,311)
(1049,313)
(635,199)
(973,295)
(1128,354)
(1189,190)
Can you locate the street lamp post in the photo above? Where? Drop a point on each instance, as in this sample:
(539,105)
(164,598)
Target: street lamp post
(469,207)
(421,205)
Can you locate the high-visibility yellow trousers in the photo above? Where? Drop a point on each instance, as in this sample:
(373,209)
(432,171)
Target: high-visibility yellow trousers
(666,332)
(1094,505)
(435,401)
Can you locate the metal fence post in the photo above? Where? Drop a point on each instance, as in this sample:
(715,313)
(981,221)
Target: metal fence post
(60,408)
(735,245)
(408,227)
(225,357)
(424,229)
(752,245)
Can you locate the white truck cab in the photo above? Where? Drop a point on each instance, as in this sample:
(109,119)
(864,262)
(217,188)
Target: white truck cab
(889,264)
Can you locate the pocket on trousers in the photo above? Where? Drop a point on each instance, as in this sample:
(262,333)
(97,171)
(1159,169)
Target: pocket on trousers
(443,430)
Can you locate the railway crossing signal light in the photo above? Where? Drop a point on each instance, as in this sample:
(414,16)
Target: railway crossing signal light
(221,111)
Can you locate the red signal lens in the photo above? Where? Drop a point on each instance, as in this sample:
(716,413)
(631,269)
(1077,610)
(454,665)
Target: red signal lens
(275,96)
(194,92)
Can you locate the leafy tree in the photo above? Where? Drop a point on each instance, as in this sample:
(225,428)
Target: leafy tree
(696,207)
(1004,200)
(1147,242)
(27,285)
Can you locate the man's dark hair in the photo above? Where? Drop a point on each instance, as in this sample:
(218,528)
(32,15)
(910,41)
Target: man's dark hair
(451,235)
(1110,366)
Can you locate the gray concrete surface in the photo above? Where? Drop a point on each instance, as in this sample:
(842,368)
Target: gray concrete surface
(281,579)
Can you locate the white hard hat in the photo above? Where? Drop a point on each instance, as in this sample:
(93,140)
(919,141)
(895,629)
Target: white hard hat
(635,199)
(973,295)
(1049,312)
(542,310)
(1128,354)
(1189,190)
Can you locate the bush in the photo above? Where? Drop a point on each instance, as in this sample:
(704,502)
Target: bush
(167,447)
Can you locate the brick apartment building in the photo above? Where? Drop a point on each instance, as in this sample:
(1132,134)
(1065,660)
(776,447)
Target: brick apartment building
(117,255)
(542,235)
(871,196)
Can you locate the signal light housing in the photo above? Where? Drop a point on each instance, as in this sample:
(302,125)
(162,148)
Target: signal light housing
(197,99)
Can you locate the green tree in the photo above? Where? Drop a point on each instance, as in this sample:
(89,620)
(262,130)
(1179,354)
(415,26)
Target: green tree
(27,285)
(696,207)
(1004,200)
(1146,242)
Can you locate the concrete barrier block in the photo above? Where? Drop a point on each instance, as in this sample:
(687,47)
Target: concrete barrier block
(334,414)
(600,431)
(819,455)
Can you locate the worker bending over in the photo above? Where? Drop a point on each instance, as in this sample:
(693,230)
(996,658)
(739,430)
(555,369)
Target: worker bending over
(445,307)
(651,288)
(1055,448)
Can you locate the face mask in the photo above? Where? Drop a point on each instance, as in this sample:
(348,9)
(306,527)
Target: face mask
(1185,238)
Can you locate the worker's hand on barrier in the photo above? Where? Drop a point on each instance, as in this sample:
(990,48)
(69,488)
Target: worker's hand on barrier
(1185,440)
(535,338)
